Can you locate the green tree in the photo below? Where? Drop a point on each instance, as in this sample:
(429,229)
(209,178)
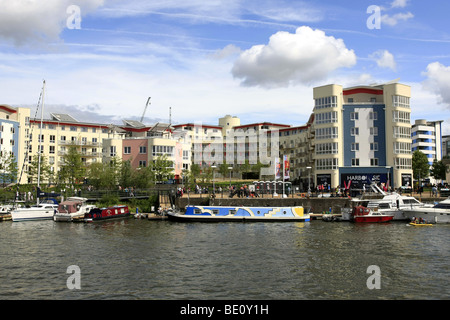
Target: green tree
(8,168)
(73,169)
(438,170)
(33,169)
(162,168)
(420,166)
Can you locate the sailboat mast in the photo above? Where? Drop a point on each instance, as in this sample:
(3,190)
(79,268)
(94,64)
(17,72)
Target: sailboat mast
(40,143)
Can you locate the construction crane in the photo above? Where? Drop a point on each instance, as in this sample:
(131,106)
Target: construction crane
(145,109)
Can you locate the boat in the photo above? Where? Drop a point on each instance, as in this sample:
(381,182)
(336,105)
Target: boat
(72,208)
(420,224)
(439,213)
(247,214)
(45,210)
(98,214)
(364,214)
(394,203)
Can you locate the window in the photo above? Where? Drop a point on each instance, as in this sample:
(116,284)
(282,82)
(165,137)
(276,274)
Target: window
(403,163)
(374,162)
(354,131)
(327,117)
(401,116)
(52,139)
(402,132)
(73,128)
(126,150)
(374,131)
(401,101)
(374,146)
(142,149)
(327,164)
(327,148)
(327,133)
(355,162)
(355,146)
(112,151)
(52,149)
(142,163)
(402,148)
(354,116)
(326,102)
(373,115)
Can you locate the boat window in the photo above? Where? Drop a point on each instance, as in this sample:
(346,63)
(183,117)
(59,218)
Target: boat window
(284,212)
(197,211)
(215,211)
(232,212)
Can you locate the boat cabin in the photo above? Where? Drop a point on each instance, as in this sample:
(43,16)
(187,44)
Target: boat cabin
(360,211)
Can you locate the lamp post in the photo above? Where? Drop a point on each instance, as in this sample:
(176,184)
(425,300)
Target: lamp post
(230,168)
(309,181)
(214,188)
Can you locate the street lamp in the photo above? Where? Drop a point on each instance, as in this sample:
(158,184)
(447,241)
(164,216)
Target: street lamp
(309,180)
(214,188)
(230,168)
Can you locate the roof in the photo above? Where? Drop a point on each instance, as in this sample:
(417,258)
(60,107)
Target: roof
(63,117)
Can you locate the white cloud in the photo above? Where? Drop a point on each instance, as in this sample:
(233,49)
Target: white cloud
(438,81)
(393,20)
(399,3)
(27,22)
(384,59)
(303,57)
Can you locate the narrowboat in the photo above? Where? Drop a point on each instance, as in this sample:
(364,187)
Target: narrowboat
(240,214)
(98,214)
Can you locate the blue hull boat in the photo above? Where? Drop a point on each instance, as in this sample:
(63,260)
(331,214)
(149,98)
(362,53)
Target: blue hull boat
(248,214)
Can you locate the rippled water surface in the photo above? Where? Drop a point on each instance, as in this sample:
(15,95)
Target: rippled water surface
(141,259)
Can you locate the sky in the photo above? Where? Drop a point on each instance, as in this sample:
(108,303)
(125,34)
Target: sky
(201,60)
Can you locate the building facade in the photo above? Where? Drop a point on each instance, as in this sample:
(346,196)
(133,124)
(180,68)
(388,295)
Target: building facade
(427,138)
(362,135)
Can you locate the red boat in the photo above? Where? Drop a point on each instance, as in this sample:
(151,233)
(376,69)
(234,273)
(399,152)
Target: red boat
(96,214)
(364,214)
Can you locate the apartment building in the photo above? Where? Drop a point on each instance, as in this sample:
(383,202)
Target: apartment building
(62,131)
(14,124)
(427,138)
(297,143)
(363,135)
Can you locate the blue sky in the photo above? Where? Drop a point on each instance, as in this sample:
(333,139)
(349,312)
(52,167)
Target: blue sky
(256,59)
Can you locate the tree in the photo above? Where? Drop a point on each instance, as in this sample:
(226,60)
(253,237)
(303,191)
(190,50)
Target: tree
(438,170)
(33,169)
(162,168)
(73,168)
(8,168)
(420,166)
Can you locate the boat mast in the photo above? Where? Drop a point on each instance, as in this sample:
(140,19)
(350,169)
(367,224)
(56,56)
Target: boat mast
(40,144)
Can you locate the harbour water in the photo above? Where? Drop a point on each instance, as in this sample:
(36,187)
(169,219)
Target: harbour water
(141,259)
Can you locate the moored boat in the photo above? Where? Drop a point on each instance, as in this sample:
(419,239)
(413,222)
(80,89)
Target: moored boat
(72,208)
(364,214)
(439,213)
(98,214)
(42,211)
(224,213)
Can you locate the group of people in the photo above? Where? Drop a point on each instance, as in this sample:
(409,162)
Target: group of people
(418,220)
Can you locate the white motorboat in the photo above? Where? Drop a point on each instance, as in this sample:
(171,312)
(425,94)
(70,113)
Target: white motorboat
(73,207)
(42,211)
(394,204)
(439,213)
